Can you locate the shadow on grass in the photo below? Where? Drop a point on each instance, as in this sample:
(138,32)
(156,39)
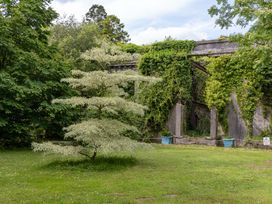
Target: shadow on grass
(113,163)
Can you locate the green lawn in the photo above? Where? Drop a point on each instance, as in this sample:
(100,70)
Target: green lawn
(172,174)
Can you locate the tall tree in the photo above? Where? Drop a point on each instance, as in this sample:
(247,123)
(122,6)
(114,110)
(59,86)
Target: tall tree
(109,25)
(114,29)
(96,14)
(30,71)
(73,38)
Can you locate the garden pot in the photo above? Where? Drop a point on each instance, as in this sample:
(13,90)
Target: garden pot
(229,142)
(167,140)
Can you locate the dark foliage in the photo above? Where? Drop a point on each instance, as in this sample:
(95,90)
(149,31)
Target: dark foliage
(30,73)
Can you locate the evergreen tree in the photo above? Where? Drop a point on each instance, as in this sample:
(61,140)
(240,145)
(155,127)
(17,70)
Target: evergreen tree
(113,29)
(96,14)
(109,26)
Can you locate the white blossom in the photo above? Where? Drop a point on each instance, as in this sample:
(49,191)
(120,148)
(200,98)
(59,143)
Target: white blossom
(109,54)
(100,134)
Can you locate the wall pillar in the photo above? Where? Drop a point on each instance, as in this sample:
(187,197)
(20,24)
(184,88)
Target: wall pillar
(214,123)
(180,119)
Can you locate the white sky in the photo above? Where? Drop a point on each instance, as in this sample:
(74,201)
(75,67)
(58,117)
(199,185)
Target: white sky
(152,20)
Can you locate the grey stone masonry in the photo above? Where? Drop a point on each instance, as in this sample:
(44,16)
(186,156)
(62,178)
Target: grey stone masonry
(214,123)
(214,48)
(176,120)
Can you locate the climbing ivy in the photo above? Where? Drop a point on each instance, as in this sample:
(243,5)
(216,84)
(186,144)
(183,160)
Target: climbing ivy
(218,87)
(199,83)
(237,74)
(157,62)
(133,48)
(176,45)
(169,60)
(249,71)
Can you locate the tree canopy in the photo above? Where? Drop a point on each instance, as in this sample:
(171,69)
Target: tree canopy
(241,12)
(108,54)
(96,14)
(109,25)
(73,38)
(30,71)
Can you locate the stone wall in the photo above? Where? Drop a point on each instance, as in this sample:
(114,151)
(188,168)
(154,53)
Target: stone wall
(176,120)
(262,120)
(180,118)
(214,48)
(196,141)
(237,126)
(199,118)
(171,123)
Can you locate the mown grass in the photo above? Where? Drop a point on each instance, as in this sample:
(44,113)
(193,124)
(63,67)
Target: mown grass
(166,174)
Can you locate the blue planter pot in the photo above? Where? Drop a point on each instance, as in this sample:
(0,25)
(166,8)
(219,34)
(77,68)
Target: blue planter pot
(166,140)
(229,143)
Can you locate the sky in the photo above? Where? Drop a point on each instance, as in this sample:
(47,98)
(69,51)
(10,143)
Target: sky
(148,21)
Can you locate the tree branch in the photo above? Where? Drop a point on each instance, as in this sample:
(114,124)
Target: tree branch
(84,154)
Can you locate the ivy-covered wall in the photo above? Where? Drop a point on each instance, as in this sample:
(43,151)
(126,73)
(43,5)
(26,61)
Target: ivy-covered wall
(168,60)
(241,74)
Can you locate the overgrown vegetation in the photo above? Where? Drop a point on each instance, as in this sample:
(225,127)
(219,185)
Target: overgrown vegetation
(35,55)
(248,72)
(168,60)
(133,48)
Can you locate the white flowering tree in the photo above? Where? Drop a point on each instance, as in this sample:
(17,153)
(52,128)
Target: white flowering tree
(108,54)
(102,96)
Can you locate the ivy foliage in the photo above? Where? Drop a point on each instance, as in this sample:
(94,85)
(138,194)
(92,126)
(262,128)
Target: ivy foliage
(157,62)
(219,86)
(199,84)
(235,74)
(133,48)
(175,45)
(168,60)
(248,72)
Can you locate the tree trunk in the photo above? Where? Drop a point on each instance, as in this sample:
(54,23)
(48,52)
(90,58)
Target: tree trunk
(94,155)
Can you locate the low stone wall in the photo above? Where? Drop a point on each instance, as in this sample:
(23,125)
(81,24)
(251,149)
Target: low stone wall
(188,141)
(209,142)
(193,140)
(257,145)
